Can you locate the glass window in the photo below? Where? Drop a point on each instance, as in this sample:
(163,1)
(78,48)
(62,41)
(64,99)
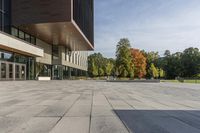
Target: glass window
(65,53)
(55,52)
(27,38)
(1,5)
(70,56)
(3,70)
(10,71)
(1,55)
(6,56)
(21,34)
(33,40)
(17,71)
(14,32)
(21,59)
(23,72)
(43,70)
(57,72)
(30,68)
(1,24)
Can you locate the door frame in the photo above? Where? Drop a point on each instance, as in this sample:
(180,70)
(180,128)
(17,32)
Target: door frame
(13,71)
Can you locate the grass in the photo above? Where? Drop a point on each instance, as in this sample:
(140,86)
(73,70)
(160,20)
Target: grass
(192,81)
(184,81)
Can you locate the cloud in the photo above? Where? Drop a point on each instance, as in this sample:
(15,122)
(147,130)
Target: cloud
(151,25)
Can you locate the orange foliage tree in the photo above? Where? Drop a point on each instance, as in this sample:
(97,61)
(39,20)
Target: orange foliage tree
(139,61)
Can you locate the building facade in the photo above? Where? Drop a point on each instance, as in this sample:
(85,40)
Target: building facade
(44,38)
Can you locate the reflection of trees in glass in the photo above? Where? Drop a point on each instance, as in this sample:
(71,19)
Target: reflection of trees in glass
(30,68)
(39,67)
(6,56)
(43,70)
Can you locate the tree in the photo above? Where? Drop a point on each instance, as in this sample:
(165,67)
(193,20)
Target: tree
(161,73)
(151,57)
(167,53)
(191,62)
(95,64)
(101,72)
(139,61)
(94,69)
(108,67)
(153,71)
(173,65)
(124,63)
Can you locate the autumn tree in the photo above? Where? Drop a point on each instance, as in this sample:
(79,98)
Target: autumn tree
(139,61)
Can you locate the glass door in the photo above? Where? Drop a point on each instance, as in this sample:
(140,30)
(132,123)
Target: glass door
(10,72)
(23,72)
(17,72)
(3,71)
(20,72)
(57,72)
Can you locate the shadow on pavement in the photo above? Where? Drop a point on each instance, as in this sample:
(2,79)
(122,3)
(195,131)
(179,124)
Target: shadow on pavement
(160,121)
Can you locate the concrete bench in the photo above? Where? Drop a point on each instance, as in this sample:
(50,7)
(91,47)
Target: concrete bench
(44,78)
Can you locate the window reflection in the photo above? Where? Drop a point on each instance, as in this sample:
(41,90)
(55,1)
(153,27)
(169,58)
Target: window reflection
(27,37)
(14,32)
(22,35)
(6,56)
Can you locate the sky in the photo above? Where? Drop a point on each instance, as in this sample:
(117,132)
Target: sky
(152,25)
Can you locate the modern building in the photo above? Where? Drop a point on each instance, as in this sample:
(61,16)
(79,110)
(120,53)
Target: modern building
(45,38)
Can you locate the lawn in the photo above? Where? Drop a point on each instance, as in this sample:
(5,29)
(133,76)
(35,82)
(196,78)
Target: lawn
(184,81)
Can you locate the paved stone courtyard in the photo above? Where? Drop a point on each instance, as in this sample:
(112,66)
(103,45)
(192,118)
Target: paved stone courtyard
(98,107)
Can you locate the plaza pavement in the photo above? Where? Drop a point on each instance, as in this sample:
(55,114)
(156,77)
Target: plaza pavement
(98,107)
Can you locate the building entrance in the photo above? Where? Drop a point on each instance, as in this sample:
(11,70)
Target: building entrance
(12,71)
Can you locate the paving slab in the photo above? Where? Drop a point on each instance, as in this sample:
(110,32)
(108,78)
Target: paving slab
(60,108)
(7,124)
(37,125)
(99,110)
(98,107)
(107,125)
(72,125)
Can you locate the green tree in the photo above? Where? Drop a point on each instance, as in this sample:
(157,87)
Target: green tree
(167,53)
(95,64)
(172,65)
(153,71)
(161,73)
(151,57)
(124,63)
(109,67)
(191,62)
(181,64)
(94,69)
(101,72)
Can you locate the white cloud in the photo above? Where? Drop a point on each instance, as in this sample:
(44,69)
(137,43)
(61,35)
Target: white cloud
(157,26)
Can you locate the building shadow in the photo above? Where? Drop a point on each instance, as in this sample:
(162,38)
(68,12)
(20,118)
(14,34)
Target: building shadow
(160,121)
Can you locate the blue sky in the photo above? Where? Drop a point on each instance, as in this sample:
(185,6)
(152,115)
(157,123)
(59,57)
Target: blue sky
(152,25)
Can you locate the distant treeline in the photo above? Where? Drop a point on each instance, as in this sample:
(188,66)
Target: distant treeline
(135,63)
